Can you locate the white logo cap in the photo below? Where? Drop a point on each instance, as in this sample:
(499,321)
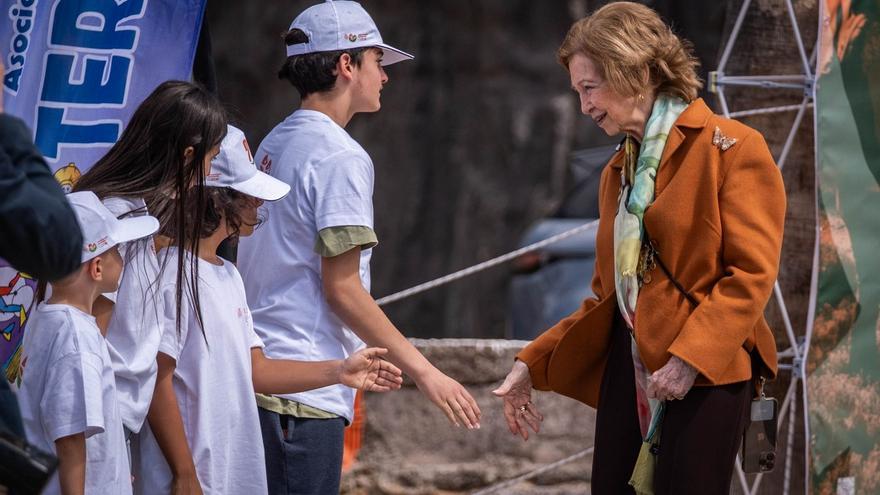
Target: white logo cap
(333,26)
(234,167)
(101,230)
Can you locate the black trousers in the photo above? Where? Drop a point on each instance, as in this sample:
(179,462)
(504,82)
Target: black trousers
(699,439)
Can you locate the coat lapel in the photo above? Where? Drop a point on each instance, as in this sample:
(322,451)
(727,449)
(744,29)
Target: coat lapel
(695,116)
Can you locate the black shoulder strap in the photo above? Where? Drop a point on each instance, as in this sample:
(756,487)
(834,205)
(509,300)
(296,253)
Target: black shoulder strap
(672,279)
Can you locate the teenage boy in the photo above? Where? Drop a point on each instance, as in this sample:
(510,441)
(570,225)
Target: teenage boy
(306,270)
(68,391)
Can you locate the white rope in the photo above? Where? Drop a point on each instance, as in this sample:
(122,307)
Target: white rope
(484,265)
(763,111)
(536,472)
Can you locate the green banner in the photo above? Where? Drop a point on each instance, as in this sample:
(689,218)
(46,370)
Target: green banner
(843,367)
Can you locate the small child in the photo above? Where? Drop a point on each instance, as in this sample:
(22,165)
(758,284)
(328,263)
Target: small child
(68,392)
(203,431)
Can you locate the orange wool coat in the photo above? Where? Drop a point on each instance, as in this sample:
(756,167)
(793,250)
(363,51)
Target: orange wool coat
(717,221)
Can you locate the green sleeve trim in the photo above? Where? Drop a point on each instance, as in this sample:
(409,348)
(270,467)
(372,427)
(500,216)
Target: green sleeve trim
(334,241)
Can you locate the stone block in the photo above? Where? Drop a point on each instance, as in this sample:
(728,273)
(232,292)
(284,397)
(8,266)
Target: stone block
(410,447)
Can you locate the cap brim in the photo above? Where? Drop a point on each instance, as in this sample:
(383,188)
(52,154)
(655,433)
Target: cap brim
(135,228)
(263,186)
(391,55)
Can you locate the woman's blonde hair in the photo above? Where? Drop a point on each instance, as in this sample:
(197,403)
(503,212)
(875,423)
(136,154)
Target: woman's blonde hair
(634,48)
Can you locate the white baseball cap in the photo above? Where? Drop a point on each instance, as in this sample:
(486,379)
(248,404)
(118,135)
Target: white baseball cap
(234,167)
(333,26)
(101,230)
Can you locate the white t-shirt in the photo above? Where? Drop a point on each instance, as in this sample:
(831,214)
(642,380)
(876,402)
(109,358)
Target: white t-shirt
(331,179)
(68,388)
(213,385)
(134,331)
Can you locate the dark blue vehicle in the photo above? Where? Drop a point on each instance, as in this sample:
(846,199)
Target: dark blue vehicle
(548,284)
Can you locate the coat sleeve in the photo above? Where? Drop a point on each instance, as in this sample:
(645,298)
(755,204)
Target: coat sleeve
(41,235)
(752,205)
(537,354)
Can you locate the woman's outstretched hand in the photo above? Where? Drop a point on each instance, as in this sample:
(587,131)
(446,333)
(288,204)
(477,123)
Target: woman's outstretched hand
(366,370)
(519,411)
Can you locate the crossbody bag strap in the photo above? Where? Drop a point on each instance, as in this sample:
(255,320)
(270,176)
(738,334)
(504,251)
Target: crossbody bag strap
(656,255)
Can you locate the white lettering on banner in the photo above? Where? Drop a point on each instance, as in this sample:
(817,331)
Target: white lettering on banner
(87,65)
(21,16)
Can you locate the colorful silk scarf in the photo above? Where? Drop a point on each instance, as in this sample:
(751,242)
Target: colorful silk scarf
(637,180)
(636,195)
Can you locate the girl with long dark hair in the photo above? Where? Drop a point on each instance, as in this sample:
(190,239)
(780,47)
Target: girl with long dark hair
(164,152)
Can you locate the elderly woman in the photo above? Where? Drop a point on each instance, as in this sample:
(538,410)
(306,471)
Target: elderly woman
(690,231)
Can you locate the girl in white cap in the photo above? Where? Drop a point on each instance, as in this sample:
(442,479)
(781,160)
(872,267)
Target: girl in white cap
(203,431)
(165,150)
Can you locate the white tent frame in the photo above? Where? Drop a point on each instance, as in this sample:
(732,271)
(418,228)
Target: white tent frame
(793,358)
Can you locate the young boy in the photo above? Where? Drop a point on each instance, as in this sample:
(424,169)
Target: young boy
(68,393)
(307,269)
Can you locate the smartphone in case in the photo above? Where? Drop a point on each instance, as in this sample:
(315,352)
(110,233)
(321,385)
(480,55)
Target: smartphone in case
(759,439)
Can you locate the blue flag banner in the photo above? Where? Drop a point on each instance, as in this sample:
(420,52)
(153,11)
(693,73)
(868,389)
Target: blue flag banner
(77,69)
(75,72)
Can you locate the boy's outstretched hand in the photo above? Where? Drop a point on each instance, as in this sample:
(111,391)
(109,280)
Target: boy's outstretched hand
(366,370)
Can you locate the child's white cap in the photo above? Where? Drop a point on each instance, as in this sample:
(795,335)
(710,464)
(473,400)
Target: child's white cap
(341,25)
(101,230)
(234,167)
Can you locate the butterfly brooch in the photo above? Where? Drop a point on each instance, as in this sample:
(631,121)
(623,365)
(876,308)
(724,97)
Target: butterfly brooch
(722,141)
